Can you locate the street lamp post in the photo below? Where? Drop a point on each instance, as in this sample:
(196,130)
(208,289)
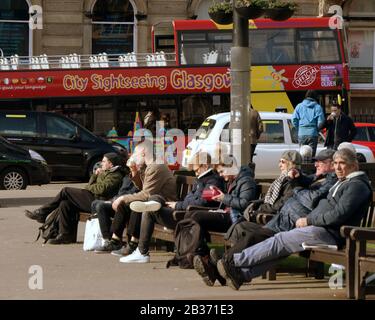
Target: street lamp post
(240,89)
(241,82)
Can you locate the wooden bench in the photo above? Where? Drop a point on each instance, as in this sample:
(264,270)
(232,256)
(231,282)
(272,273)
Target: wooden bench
(364,262)
(345,256)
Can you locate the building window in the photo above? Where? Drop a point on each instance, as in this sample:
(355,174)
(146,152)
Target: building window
(362,8)
(113,27)
(361,58)
(14,28)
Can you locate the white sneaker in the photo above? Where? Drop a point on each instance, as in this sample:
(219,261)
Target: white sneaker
(145,206)
(136,257)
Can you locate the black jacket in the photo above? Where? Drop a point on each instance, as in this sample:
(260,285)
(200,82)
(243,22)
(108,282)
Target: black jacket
(339,130)
(241,191)
(127,187)
(302,202)
(346,204)
(211,178)
(285,193)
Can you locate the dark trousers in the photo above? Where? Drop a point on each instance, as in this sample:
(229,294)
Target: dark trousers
(105,212)
(164,217)
(123,218)
(70,201)
(248,234)
(209,221)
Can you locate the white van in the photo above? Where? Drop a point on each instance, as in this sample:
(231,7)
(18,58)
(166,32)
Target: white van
(278,135)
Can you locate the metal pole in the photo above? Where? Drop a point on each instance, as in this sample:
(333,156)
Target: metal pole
(240,89)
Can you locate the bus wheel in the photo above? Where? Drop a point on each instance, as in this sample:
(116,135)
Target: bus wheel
(13,179)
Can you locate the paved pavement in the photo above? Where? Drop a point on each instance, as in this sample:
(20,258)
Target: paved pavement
(71,273)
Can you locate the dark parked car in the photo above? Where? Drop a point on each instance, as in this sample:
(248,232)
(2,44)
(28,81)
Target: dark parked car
(20,168)
(70,150)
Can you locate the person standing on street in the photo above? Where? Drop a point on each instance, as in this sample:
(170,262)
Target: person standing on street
(340,128)
(256,128)
(307,119)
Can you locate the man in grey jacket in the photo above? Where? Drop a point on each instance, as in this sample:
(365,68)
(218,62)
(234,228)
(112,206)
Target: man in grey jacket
(346,204)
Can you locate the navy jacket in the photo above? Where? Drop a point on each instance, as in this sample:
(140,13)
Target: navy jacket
(302,202)
(211,178)
(241,191)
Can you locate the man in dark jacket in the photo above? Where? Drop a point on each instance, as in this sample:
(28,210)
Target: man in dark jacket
(346,204)
(340,128)
(206,177)
(304,201)
(103,184)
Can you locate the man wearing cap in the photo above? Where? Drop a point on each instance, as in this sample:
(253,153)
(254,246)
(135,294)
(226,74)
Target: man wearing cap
(103,184)
(346,204)
(304,200)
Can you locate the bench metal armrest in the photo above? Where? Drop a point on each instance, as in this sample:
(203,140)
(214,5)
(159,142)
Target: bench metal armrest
(362,234)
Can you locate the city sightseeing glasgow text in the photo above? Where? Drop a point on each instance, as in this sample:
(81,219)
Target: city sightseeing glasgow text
(178,80)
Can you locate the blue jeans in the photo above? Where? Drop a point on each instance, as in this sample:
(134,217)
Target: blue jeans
(257,259)
(311,141)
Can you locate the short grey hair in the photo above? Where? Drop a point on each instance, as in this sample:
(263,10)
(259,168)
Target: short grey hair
(348,155)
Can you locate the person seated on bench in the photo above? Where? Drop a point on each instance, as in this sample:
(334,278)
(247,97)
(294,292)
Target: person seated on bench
(103,184)
(346,204)
(282,188)
(303,201)
(103,208)
(240,190)
(156,179)
(156,210)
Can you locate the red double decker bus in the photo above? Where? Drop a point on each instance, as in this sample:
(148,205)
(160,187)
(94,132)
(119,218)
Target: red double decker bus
(190,83)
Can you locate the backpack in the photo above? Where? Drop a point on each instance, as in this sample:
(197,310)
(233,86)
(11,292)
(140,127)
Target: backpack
(50,228)
(189,240)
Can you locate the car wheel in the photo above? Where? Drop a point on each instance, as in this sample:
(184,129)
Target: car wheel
(13,179)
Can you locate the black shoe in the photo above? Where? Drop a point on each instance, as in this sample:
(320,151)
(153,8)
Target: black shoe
(230,273)
(205,270)
(63,239)
(109,246)
(36,215)
(126,249)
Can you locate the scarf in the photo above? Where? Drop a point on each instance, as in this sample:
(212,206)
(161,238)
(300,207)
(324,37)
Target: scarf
(274,190)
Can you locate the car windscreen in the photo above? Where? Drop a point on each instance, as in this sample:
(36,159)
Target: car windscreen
(205,129)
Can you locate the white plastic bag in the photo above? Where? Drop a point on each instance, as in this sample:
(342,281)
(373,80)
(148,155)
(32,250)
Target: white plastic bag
(93,236)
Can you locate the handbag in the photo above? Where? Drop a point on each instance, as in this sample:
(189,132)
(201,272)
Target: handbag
(93,236)
(209,193)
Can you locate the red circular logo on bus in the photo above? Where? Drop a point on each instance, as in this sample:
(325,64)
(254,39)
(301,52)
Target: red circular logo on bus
(305,76)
